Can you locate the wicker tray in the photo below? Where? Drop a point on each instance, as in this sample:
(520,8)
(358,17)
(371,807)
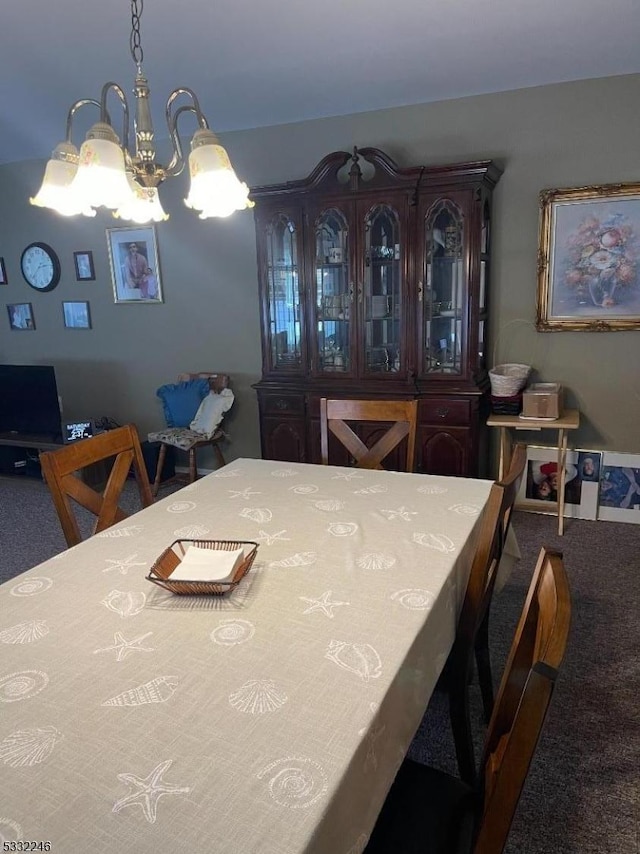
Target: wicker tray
(171,557)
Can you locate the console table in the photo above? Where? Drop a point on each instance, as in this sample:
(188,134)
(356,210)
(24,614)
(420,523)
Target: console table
(570,420)
(95,475)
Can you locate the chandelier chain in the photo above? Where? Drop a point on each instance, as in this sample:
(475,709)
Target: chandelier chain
(134,42)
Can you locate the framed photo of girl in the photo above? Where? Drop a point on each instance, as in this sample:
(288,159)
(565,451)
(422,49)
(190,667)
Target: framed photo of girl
(135,271)
(589,259)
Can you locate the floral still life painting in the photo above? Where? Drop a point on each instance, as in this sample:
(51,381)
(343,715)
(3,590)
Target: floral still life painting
(589,259)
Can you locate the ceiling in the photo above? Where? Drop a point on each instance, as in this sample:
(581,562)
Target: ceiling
(263,62)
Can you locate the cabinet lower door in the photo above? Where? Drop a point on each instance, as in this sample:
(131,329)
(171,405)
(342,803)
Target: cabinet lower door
(283,439)
(444,450)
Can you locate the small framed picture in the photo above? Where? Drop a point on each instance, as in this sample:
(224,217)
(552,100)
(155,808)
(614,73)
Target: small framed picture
(76,315)
(135,273)
(539,487)
(85,271)
(620,488)
(3,273)
(21,316)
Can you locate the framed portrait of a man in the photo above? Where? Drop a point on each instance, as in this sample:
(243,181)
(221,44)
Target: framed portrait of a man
(135,271)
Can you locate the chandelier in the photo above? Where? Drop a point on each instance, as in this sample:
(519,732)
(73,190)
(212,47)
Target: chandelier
(105,173)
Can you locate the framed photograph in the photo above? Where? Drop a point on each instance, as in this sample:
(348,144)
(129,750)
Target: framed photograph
(539,486)
(3,273)
(76,315)
(85,271)
(620,488)
(135,272)
(21,316)
(589,259)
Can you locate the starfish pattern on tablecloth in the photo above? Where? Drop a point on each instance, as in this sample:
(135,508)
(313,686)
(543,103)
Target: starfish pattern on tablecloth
(322,604)
(147,791)
(346,475)
(243,493)
(124,647)
(123,565)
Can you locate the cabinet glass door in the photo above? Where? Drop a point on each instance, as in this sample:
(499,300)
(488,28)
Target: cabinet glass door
(334,294)
(445,290)
(382,290)
(283,297)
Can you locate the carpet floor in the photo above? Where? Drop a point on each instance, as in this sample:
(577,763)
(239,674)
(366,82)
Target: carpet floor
(582,794)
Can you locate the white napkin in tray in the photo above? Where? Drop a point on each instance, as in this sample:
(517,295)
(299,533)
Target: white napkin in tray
(200,564)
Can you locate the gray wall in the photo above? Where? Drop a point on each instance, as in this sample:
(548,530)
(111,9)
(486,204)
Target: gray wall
(565,135)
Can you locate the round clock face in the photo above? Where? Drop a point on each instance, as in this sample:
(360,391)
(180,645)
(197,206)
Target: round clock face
(40,267)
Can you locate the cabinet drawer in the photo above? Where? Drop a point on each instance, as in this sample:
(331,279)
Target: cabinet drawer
(444,411)
(282,404)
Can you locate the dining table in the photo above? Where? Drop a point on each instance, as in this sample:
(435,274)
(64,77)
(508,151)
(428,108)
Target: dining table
(268,720)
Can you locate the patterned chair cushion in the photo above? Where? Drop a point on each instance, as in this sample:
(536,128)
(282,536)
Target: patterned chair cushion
(180,437)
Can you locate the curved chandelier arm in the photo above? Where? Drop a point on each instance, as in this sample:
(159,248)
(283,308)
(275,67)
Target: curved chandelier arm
(104,113)
(178,161)
(73,109)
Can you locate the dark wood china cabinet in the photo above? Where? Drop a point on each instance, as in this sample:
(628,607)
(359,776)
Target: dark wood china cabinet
(373,284)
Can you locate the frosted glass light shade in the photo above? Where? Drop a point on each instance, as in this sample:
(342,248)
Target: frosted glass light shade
(143,206)
(101,180)
(215,189)
(56,192)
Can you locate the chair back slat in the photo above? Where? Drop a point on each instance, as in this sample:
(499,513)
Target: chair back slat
(335,413)
(60,469)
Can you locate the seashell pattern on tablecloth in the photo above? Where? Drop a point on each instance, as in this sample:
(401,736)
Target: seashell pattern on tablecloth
(296,782)
(181,506)
(29,747)
(258,696)
(433,489)
(342,529)
(126,604)
(415,599)
(157,690)
(10,831)
(228,473)
(360,658)
(127,531)
(376,489)
(27,632)
(375,560)
(191,532)
(304,489)
(298,559)
(330,504)
(22,685)
(465,509)
(31,586)
(231,632)
(283,473)
(257,514)
(439,542)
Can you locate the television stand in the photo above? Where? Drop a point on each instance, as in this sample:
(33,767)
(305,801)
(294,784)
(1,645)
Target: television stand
(94,475)
(43,442)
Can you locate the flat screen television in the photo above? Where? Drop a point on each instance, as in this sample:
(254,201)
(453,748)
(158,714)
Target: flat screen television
(29,401)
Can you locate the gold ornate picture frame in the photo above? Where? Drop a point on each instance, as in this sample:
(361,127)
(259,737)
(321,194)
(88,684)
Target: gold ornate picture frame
(589,259)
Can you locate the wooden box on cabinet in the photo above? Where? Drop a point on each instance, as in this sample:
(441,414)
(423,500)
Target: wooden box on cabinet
(376,288)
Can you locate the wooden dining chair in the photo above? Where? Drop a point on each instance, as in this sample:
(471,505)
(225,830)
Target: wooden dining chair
(61,470)
(186,439)
(429,810)
(335,413)
(472,632)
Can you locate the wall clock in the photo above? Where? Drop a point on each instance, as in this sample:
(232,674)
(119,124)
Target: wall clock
(40,266)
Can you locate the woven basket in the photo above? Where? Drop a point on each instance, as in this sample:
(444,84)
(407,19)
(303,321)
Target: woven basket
(507,380)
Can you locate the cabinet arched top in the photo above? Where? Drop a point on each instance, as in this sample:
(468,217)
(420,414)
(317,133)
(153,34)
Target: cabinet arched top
(331,175)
